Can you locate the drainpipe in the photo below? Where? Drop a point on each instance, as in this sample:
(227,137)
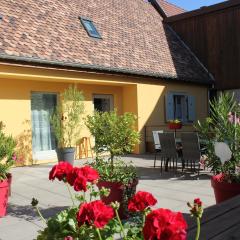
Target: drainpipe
(158,8)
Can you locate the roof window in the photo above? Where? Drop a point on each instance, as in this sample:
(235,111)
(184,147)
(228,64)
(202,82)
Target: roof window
(90,27)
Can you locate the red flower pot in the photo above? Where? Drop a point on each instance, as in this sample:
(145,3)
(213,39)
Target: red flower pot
(4,188)
(10,184)
(174,125)
(224,191)
(117,194)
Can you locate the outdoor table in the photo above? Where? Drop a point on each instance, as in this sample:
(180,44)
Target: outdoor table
(219,222)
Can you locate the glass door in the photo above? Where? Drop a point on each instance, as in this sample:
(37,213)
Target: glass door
(43,139)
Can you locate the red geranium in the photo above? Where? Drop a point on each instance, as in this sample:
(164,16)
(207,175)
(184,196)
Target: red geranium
(80,183)
(72,175)
(95,213)
(219,177)
(198,202)
(68,238)
(89,173)
(163,224)
(140,201)
(60,171)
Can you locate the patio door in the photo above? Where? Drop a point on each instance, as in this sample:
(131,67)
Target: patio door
(43,139)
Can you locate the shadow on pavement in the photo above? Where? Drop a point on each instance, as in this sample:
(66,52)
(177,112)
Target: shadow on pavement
(29,213)
(151,173)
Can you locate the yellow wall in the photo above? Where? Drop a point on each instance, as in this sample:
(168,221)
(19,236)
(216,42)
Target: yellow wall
(15,105)
(144,97)
(151,105)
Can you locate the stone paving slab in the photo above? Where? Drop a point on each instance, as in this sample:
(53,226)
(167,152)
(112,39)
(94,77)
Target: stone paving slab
(171,190)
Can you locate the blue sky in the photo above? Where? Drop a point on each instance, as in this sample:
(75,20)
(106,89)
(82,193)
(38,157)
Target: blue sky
(194,4)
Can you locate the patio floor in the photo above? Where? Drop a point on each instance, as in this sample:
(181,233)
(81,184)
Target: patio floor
(172,191)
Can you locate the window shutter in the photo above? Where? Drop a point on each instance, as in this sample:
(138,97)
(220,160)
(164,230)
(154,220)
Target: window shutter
(169,107)
(191,108)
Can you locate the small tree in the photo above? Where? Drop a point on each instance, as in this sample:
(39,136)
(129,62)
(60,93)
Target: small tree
(67,118)
(113,133)
(7,147)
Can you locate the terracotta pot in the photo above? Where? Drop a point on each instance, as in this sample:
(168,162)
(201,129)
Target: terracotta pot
(117,194)
(4,188)
(174,125)
(224,191)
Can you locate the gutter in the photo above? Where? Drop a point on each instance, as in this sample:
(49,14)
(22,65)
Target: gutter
(98,68)
(158,8)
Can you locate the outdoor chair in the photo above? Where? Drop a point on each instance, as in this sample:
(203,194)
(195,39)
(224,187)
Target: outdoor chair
(157,146)
(191,151)
(168,153)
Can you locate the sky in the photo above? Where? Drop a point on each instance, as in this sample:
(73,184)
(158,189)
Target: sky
(194,4)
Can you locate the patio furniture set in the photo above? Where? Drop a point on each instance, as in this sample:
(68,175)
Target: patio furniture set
(171,149)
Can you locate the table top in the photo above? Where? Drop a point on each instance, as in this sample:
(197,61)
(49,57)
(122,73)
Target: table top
(219,222)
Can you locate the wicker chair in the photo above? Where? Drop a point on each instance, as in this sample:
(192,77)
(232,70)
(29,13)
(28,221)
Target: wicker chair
(191,151)
(168,153)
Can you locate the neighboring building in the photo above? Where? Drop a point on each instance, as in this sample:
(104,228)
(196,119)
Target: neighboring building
(119,53)
(212,33)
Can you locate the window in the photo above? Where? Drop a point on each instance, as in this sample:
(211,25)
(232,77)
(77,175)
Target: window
(90,28)
(103,102)
(180,106)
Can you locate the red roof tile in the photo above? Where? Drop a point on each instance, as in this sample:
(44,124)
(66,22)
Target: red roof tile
(169,8)
(134,38)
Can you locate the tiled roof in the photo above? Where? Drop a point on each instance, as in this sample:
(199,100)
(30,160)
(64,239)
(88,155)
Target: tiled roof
(134,39)
(169,8)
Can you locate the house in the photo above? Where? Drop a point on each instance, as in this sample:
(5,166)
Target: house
(119,53)
(213,35)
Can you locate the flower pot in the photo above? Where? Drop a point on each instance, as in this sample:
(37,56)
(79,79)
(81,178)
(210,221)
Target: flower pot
(117,191)
(224,191)
(174,125)
(66,154)
(9,184)
(4,188)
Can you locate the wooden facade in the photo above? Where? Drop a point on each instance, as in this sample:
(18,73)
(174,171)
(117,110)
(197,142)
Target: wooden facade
(213,34)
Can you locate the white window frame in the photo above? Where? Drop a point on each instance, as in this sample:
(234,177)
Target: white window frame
(49,154)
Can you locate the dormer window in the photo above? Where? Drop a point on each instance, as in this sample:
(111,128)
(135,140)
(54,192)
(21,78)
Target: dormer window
(90,27)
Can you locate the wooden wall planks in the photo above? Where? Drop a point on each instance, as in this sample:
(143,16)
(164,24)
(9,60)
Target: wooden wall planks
(215,39)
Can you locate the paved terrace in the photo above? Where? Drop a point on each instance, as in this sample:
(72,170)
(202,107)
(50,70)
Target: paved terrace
(22,223)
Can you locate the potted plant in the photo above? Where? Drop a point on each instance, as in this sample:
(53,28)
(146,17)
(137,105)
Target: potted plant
(221,133)
(175,124)
(7,146)
(114,134)
(92,219)
(67,121)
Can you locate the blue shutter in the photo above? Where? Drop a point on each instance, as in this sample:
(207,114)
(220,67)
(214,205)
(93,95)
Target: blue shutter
(191,108)
(169,107)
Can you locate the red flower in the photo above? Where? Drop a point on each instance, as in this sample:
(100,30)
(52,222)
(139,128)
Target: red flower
(140,201)
(163,224)
(60,171)
(80,183)
(95,213)
(198,202)
(89,173)
(68,238)
(72,175)
(219,177)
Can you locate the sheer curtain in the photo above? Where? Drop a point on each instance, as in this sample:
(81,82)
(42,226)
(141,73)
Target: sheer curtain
(42,106)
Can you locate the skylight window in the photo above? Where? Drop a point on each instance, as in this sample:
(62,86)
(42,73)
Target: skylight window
(90,27)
